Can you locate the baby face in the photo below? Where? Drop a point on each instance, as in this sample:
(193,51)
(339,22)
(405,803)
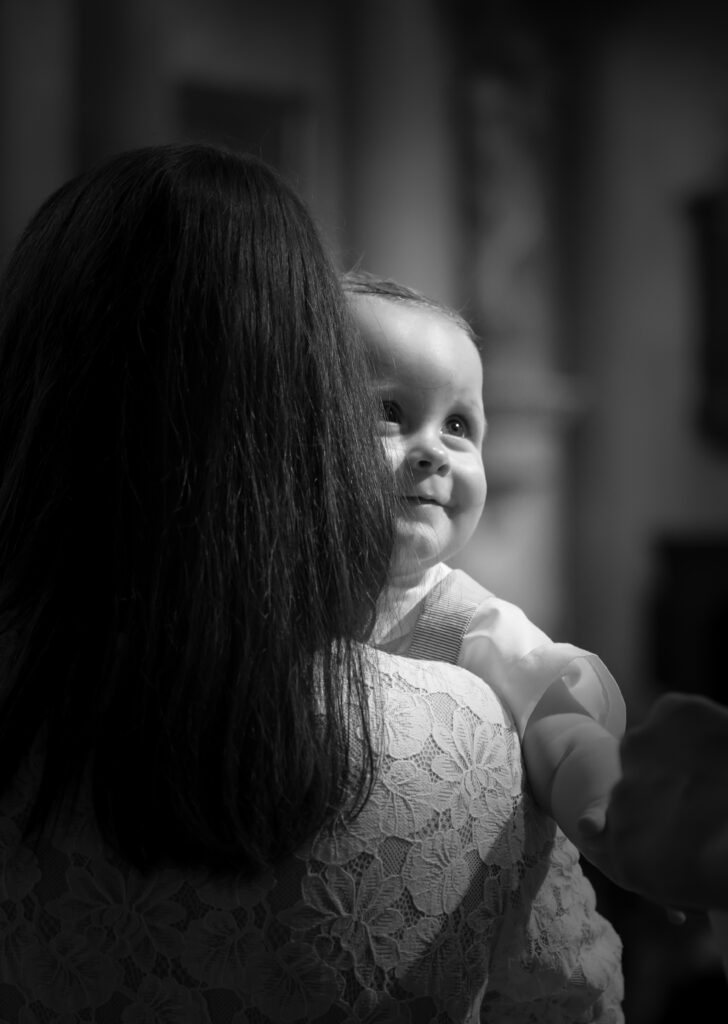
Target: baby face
(429,379)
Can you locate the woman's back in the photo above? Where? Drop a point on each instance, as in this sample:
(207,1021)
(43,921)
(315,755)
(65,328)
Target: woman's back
(448,893)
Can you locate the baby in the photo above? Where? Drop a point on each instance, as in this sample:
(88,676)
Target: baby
(568,710)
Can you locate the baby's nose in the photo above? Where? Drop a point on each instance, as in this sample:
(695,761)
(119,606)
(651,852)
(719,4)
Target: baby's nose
(428,456)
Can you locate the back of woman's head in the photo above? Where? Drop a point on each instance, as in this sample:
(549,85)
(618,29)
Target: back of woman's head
(194,520)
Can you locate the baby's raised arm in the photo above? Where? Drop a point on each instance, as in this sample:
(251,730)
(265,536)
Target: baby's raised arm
(568,710)
(572,763)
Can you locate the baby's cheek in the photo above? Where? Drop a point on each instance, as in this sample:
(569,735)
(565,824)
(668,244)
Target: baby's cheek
(393,451)
(474,488)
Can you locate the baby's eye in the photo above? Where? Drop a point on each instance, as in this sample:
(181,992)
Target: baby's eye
(391,412)
(457,426)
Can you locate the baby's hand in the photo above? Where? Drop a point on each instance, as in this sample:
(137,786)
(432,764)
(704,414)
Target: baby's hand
(583,781)
(592,821)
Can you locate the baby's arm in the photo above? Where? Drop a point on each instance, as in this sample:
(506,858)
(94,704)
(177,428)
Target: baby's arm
(572,763)
(568,711)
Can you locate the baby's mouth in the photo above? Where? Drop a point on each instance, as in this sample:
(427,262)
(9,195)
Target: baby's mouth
(415,499)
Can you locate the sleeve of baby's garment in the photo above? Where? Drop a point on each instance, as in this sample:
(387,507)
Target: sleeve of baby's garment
(520,662)
(556,959)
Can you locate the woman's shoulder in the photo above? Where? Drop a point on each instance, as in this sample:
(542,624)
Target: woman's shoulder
(444,738)
(428,682)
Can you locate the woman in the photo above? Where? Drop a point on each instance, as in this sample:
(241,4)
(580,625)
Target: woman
(217,804)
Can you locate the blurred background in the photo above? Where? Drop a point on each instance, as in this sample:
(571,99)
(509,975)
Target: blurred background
(557,173)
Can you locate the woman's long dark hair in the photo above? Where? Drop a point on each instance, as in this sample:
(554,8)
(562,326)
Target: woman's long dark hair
(194,513)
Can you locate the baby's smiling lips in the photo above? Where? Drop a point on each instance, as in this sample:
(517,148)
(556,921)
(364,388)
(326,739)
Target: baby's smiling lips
(420,499)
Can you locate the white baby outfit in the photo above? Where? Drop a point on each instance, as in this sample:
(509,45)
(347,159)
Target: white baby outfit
(450,617)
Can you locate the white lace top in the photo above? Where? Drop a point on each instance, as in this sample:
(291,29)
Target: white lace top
(451,898)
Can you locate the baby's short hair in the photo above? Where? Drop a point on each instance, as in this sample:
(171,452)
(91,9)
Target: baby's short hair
(361,282)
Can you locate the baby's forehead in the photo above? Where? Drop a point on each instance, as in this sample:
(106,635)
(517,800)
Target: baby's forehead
(447,361)
(388,322)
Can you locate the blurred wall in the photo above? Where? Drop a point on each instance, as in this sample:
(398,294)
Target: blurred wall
(400,138)
(655,136)
(82,80)
(37,107)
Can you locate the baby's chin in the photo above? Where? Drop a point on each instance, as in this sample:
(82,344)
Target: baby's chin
(410,563)
(420,545)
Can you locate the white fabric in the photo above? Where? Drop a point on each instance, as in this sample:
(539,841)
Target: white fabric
(511,654)
(451,898)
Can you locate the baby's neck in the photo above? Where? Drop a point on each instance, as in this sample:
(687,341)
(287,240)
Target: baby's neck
(413,576)
(410,578)
(408,585)
(404,591)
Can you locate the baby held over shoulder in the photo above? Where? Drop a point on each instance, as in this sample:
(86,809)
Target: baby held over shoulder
(427,376)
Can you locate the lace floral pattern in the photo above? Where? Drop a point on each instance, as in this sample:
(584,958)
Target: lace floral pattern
(449,899)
